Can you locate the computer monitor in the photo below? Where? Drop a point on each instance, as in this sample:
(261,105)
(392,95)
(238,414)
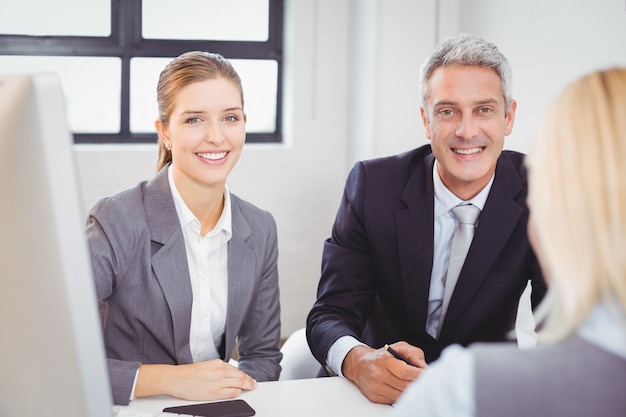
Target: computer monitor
(52,360)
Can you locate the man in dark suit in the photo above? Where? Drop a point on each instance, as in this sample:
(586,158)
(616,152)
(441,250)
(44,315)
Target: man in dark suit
(384,267)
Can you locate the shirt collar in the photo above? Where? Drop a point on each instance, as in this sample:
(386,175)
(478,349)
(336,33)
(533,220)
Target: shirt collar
(605,327)
(447,200)
(186,217)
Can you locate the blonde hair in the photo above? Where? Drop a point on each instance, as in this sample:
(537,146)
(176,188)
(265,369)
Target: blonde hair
(577,198)
(188,68)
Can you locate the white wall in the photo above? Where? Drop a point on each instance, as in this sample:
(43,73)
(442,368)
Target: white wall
(352,92)
(549,43)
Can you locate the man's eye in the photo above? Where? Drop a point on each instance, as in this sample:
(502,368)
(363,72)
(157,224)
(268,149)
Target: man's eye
(486,110)
(445,112)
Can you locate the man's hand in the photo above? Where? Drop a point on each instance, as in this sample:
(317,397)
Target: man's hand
(379,375)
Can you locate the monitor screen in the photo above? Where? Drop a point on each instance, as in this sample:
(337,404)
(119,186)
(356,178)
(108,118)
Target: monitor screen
(52,360)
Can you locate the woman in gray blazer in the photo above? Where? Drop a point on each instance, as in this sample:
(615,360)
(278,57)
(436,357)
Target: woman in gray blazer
(577,200)
(185,270)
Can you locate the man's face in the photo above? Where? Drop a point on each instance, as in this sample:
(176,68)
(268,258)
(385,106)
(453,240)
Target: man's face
(465,121)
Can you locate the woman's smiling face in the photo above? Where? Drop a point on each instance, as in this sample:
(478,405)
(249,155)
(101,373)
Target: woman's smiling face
(206,131)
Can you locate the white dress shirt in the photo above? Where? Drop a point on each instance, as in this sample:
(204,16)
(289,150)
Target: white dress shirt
(446,388)
(207,258)
(445,225)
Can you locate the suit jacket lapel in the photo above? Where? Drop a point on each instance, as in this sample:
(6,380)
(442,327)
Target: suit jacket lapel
(415,230)
(495,225)
(169,259)
(241,274)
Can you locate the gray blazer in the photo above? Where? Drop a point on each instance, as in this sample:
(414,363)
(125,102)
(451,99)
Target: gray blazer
(570,379)
(144,291)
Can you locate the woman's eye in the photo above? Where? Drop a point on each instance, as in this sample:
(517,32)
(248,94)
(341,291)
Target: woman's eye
(193,120)
(230,118)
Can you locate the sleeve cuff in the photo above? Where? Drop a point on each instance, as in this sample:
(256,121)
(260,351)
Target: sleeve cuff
(337,353)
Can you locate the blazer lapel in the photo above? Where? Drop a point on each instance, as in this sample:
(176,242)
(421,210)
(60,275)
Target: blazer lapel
(241,275)
(495,225)
(169,260)
(415,230)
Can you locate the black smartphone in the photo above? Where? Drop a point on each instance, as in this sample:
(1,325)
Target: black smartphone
(230,408)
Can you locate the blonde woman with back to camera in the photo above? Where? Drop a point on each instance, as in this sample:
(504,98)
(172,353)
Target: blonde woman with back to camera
(577,199)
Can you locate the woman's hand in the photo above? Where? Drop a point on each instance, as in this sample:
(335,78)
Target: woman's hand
(202,381)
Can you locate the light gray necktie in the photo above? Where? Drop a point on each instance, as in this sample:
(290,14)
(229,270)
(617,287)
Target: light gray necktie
(466,215)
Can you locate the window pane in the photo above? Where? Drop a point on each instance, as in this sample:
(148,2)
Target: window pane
(56,18)
(259,80)
(144,75)
(92,88)
(236,20)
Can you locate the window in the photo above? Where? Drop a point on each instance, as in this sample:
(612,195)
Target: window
(109,54)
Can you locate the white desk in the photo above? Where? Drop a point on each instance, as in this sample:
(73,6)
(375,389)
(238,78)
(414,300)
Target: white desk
(318,397)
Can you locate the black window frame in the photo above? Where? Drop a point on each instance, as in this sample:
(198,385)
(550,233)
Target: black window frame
(126,42)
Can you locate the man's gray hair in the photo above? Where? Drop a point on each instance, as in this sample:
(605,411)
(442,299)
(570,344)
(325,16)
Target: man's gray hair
(468,50)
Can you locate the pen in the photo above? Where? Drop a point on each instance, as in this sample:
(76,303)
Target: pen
(397,355)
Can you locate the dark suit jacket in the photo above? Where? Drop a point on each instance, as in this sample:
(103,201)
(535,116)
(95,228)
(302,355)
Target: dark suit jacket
(376,266)
(144,291)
